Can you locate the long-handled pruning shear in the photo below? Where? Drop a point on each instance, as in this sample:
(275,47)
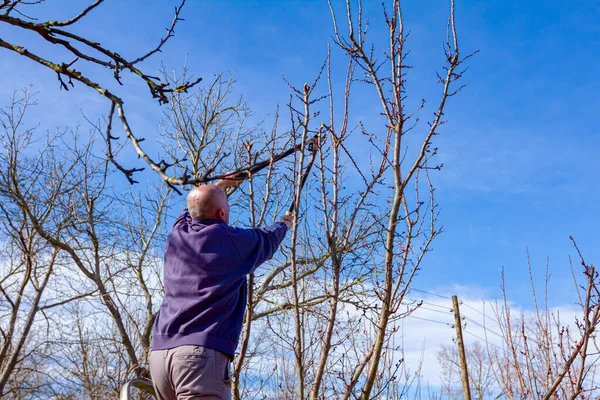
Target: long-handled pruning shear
(312,144)
(313,147)
(242,174)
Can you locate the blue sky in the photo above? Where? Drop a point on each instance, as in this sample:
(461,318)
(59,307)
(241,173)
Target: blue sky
(520,149)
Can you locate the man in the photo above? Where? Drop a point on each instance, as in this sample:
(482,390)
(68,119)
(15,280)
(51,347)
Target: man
(199,322)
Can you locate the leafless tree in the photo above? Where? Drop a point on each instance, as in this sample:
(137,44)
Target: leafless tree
(481,372)
(85,52)
(545,356)
(65,241)
(27,262)
(402,249)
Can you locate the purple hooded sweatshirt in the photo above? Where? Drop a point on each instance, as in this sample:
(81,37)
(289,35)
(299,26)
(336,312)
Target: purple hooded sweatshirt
(205,267)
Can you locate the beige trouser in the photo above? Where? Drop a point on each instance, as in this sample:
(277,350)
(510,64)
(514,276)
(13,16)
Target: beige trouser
(189,373)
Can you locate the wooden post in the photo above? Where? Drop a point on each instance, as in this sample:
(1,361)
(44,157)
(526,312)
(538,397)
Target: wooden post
(461,349)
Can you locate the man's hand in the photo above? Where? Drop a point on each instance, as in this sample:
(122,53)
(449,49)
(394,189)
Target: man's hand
(288,220)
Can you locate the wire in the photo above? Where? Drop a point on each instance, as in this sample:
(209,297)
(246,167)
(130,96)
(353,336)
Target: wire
(434,310)
(430,320)
(446,308)
(479,312)
(429,293)
(484,327)
(428,303)
(484,340)
(537,343)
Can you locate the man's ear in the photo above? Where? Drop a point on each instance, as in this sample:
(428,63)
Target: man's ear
(221,213)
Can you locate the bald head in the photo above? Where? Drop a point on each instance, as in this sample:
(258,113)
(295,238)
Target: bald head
(208,201)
